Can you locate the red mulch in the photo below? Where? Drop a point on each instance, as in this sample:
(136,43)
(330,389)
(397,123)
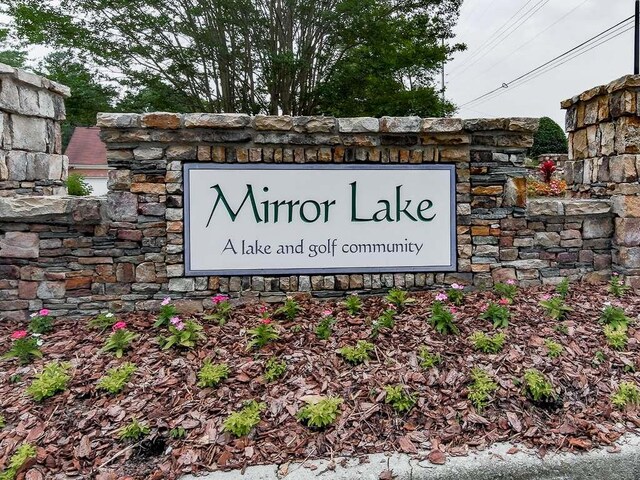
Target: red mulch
(76,431)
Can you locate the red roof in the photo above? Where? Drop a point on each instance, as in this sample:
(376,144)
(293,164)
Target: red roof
(86,148)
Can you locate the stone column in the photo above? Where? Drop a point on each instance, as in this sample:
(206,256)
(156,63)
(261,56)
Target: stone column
(604,161)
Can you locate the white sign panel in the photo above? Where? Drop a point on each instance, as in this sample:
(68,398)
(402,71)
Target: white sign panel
(315,219)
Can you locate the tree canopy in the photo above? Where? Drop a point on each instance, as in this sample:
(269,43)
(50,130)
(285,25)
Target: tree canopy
(298,57)
(549,138)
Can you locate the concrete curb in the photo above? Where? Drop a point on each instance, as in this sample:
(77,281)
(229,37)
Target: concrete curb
(491,464)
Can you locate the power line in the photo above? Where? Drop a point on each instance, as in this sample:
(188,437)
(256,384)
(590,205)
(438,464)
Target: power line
(505,88)
(568,52)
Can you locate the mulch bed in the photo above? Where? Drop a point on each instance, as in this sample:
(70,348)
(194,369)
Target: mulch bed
(76,431)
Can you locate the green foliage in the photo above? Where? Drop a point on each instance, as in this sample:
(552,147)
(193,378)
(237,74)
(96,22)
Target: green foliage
(556,308)
(537,386)
(290,309)
(134,431)
(427,359)
(13,53)
(167,312)
(442,319)
(116,378)
(353,304)
(240,423)
(399,298)
(274,369)
(617,288)
(221,311)
(357,354)
(177,433)
(24,349)
(186,337)
(53,379)
(561,328)
(487,343)
(398,398)
(3,422)
(211,374)
(22,455)
(562,288)
(550,138)
(119,341)
(320,412)
(616,336)
(325,327)
(456,296)
(614,316)
(506,290)
(481,388)
(264,333)
(77,186)
(41,324)
(497,314)
(599,358)
(103,321)
(385,321)
(627,394)
(554,349)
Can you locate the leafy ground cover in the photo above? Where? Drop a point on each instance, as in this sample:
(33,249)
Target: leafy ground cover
(554,382)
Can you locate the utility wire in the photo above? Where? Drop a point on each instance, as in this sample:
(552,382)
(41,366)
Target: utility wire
(537,69)
(514,85)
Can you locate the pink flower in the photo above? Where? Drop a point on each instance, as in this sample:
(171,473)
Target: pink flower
(483,308)
(453,310)
(219,299)
(44,312)
(179,326)
(18,334)
(326,313)
(615,274)
(441,297)
(175,320)
(265,321)
(511,281)
(119,326)
(166,301)
(546,296)
(457,286)
(504,301)
(263,309)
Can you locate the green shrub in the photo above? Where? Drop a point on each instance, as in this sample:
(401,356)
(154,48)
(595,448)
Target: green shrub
(385,321)
(211,374)
(274,369)
(554,349)
(119,340)
(22,455)
(240,423)
(53,379)
(427,359)
(506,290)
(103,321)
(116,378)
(134,431)
(550,138)
(177,433)
(325,327)
(353,304)
(442,319)
(487,343)
(41,324)
(616,336)
(497,314)
(555,307)
(290,309)
(77,185)
(617,288)
(182,334)
(320,413)
(3,422)
(537,386)
(263,334)
(614,316)
(399,298)
(398,398)
(481,388)
(627,394)
(357,354)
(562,288)
(25,349)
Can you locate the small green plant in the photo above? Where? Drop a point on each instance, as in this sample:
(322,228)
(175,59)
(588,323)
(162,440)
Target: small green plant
(211,374)
(295,328)
(182,334)
(357,354)
(499,315)
(119,340)
(3,422)
(442,319)
(398,398)
(264,333)
(508,290)
(554,349)
(103,321)
(616,336)
(385,321)
(221,309)
(23,347)
(617,288)
(555,307)
(41,322)
(290,309)
(614,316)
(561,328)
(487,343)
(353,304)
(77,186)
(456,294)
(627,394)
(537,386)
(116,378)
(325,327)
(240,423)
(399,298)
(15,378)
(167,312)
(134,431)
(320,412)
(274,369)
(427,359)
(562,288)
(177,433)
(481,388)
(53,379)
(21,456)
(599,358)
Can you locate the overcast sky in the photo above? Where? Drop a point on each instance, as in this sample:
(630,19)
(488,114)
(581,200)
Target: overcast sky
(481,69)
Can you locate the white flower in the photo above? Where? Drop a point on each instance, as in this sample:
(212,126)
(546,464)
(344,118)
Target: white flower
(33,315)
(109,315)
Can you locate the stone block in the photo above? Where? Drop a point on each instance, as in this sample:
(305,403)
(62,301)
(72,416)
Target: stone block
(527,125)
(163,120)
(187,285)
(216,120)
(597,228)
(119,179)
(442,125)
(20,245)
(580,146)
(50,290)
(122,206)
(148,153)
(628,257)
(586,207)
(273,122)
(607,138)
(627,232)
(547,239)
(544,207)
(118,120)
(314,124)
(358,125)
(16,164)
(622,168)
(400,124)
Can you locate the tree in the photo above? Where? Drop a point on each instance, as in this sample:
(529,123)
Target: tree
(14,56)
(549,138)
(273,56)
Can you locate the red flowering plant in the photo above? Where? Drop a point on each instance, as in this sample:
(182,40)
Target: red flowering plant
(182,334)
(221,309)
(548,186)
(264,333)
(119,340)
(23,347)
(41,322)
